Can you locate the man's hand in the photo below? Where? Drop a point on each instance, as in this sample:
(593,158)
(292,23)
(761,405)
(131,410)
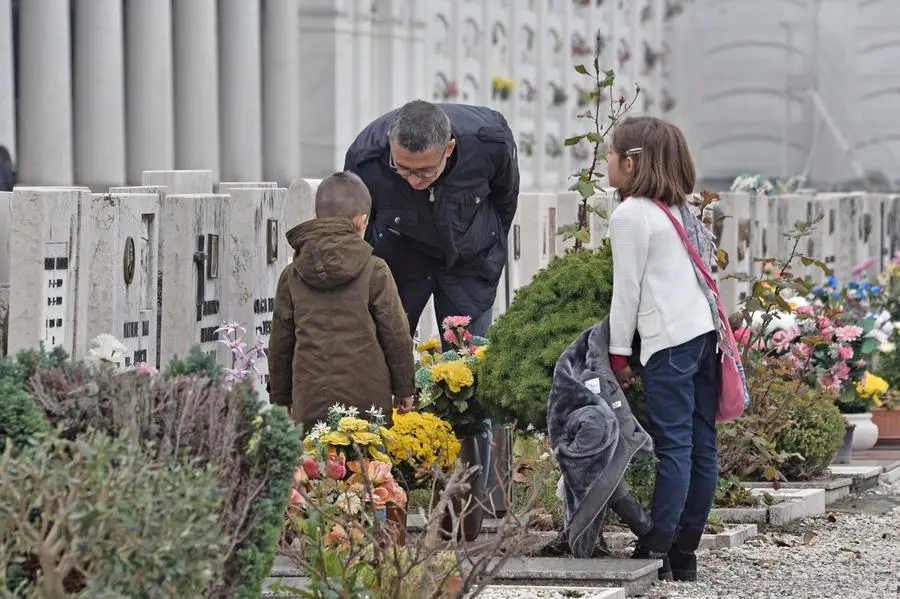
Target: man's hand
(403,404)
(625,377)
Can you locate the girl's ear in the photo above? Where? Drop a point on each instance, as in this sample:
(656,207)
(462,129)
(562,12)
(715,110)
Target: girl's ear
(629,164)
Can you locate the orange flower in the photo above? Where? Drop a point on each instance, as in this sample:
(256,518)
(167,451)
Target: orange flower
(380,497)
(376,472)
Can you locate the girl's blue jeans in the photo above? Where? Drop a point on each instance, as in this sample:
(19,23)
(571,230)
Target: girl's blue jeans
(681,390)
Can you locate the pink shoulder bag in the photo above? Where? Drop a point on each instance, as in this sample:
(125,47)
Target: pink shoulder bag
(734,396)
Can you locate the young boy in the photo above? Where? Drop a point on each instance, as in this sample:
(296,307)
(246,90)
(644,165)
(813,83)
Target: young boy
(339,332)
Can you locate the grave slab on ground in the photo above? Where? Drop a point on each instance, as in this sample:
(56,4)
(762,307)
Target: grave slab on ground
(864,477)
(789,505)
(836,488)
(635,576)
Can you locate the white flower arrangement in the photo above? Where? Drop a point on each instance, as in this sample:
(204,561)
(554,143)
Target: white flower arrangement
(752,184)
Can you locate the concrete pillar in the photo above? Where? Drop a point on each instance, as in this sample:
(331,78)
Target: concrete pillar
(45,93)
(7,80)
(196,85)
(240,126)
(99,94)
(150,108)
(281,87)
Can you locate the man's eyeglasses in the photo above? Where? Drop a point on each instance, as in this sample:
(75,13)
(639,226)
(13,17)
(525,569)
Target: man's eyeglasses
(422,173)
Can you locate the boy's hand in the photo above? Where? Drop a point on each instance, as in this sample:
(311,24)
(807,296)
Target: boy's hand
(625,377)
(404,404)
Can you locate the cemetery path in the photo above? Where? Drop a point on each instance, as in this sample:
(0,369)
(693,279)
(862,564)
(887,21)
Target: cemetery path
(851,551)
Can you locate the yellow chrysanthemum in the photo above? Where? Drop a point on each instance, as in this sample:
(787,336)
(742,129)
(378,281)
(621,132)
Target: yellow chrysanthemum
(422,440)
(872,387)
(456,374)
(426,359)
(480,351)
(365,438)
(334,438)
(377,455)
(428,345)
(386,433)
(309,445)
(350,425)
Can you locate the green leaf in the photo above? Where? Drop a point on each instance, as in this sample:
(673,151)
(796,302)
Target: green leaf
(571,141)
(807,261)
(585,188)
(594,137)
(583,236)
(722,258)
(581,69)
(461,405)
(609,79)
(868,346)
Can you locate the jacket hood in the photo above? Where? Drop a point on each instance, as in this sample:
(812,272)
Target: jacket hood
(328,252)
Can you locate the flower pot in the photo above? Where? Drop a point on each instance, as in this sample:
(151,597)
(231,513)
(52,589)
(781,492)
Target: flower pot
(846,451)
(396,520)
(468,506)
(888,423)
(499,476)
(865,436)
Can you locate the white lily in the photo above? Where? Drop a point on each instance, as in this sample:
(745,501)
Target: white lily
(106,349)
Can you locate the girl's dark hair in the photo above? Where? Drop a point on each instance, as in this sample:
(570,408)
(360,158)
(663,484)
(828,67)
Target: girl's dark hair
(663,167)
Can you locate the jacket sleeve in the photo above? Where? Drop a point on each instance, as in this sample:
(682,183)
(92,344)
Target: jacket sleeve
(505,183)
(281,345)
(630,245)
(392,328)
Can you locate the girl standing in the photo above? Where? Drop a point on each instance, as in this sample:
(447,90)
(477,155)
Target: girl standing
(657,294)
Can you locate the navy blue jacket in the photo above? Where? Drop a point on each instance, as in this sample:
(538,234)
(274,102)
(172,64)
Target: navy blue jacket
(459,239)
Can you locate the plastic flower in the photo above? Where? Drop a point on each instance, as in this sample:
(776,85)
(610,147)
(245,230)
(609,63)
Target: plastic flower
(336,467)
(376,473)
(106,349)
(848,333)
(455,374)
(376,454)
(455,322)
(872,386)
(428,345)
(311,467)
(297,498)
(334,438)
(349,424)
(422,440)
(479,352)
(365,438)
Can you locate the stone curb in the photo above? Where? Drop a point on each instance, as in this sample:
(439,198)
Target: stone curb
(796,505)
(580,592)
(836,489)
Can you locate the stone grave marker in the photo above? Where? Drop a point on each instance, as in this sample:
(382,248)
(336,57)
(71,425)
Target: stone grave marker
(5,219)
(180,181)
(890,228)
(828,205)
(737,241)
(123,284)
(301,201)
(763,231)
(528,246)
(868,228)
(226,186)
(599,224)
(197,272)
(568,207)
(50,267)
(259,253)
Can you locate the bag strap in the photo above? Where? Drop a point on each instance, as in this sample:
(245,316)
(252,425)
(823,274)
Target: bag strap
(698,261)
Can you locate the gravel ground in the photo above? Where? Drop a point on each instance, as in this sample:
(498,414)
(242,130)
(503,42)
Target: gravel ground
(851,552)
(842,554)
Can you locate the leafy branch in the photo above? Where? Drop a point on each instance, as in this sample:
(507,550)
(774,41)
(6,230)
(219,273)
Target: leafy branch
(588,181)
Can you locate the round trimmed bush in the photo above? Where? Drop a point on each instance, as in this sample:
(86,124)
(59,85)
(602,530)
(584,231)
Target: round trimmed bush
(817,433)
(570,295)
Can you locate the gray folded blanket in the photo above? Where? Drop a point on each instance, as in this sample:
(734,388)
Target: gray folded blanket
(593,433)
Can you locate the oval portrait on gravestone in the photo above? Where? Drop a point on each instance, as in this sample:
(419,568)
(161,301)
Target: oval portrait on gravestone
(128,261)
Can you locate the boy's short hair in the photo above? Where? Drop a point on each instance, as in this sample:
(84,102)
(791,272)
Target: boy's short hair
(342,195)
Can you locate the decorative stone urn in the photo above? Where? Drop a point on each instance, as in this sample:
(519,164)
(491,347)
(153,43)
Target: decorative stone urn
(865,435)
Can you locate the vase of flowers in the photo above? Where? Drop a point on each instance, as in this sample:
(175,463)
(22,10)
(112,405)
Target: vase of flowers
(421,445)
(447,383)
(345,469)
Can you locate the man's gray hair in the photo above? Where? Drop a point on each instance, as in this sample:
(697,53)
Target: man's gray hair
(420,125)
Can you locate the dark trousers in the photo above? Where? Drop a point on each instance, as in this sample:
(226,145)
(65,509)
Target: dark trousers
(681,390)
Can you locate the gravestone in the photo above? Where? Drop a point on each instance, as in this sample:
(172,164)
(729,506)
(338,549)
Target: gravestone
(197,268)
(123,284)
(48,263)
(5,218)
(301,201)
(599,223)
(869,227)
(828,205)
(259,253)
(180,181)
(737,242)
(890,228)
(529,247)
(568,208)
(226,186)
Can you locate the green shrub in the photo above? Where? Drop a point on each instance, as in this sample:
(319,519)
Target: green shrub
(197,362)
(204,421)
(20,418)
(97,517)
(572,294)
(817,434)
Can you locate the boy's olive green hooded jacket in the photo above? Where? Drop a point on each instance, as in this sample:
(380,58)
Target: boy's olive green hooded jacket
(339,332)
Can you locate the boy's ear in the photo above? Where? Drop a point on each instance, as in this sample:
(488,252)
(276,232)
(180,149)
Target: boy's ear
(360,221)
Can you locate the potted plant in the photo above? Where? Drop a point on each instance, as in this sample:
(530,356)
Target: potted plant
(501,87)
(447,386)
(421,445)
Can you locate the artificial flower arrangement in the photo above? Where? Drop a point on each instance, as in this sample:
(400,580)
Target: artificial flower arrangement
(345,465)
(419,444)
(447,381)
